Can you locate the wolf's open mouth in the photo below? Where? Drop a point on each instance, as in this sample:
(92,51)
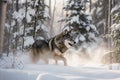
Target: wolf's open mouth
(70,44)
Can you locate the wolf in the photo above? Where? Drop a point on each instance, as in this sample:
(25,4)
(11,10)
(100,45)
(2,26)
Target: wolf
(53,48)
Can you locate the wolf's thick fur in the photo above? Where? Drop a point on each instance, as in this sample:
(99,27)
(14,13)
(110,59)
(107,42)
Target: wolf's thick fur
(52,48)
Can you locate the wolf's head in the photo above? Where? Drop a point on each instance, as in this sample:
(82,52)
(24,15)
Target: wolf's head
(68,38)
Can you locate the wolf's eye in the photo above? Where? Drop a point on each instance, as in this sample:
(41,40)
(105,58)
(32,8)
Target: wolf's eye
(59,42)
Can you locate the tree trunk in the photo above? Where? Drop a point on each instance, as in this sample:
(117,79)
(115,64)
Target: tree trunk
(16,28)
(53,17)
(109,31)
(49,22)
(62,14)
(24,25)
(10,28)
(3,6)
(90,5)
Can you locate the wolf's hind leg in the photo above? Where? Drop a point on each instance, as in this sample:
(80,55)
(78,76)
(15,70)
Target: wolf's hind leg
(46,61)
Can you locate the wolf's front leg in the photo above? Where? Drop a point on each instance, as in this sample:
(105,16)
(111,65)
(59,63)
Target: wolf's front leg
(56,55)
(64,60)
(56,59)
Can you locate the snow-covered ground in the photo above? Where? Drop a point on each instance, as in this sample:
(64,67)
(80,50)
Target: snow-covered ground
(53,72)
(24,70)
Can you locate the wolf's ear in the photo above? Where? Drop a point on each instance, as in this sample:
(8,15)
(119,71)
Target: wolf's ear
(71,30)
(65,32)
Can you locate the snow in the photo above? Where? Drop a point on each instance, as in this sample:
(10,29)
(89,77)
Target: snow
(98,10)
(15,34)
(72,2)
(91,35)
(19,15)
(93,27)
(115,26)
(30,12)
(12,23)
(89,17)
(23,1)
(7,26)
(82,38)
(28,41)
(53,72)
(36,2)
(74,12)
(77,69)
(75,19)
(114,9)
(46,14)
(87,28)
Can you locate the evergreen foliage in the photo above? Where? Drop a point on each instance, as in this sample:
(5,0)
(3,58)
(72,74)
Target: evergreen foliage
(79,21)
(115,34)
(31,17)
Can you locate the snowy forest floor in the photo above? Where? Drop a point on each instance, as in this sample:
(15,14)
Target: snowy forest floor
(24,70)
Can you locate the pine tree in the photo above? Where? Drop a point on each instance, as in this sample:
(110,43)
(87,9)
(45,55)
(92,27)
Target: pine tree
(79,22)
(31,17)
(115,33)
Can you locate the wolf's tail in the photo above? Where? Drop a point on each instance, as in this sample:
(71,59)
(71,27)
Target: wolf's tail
(34,56)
